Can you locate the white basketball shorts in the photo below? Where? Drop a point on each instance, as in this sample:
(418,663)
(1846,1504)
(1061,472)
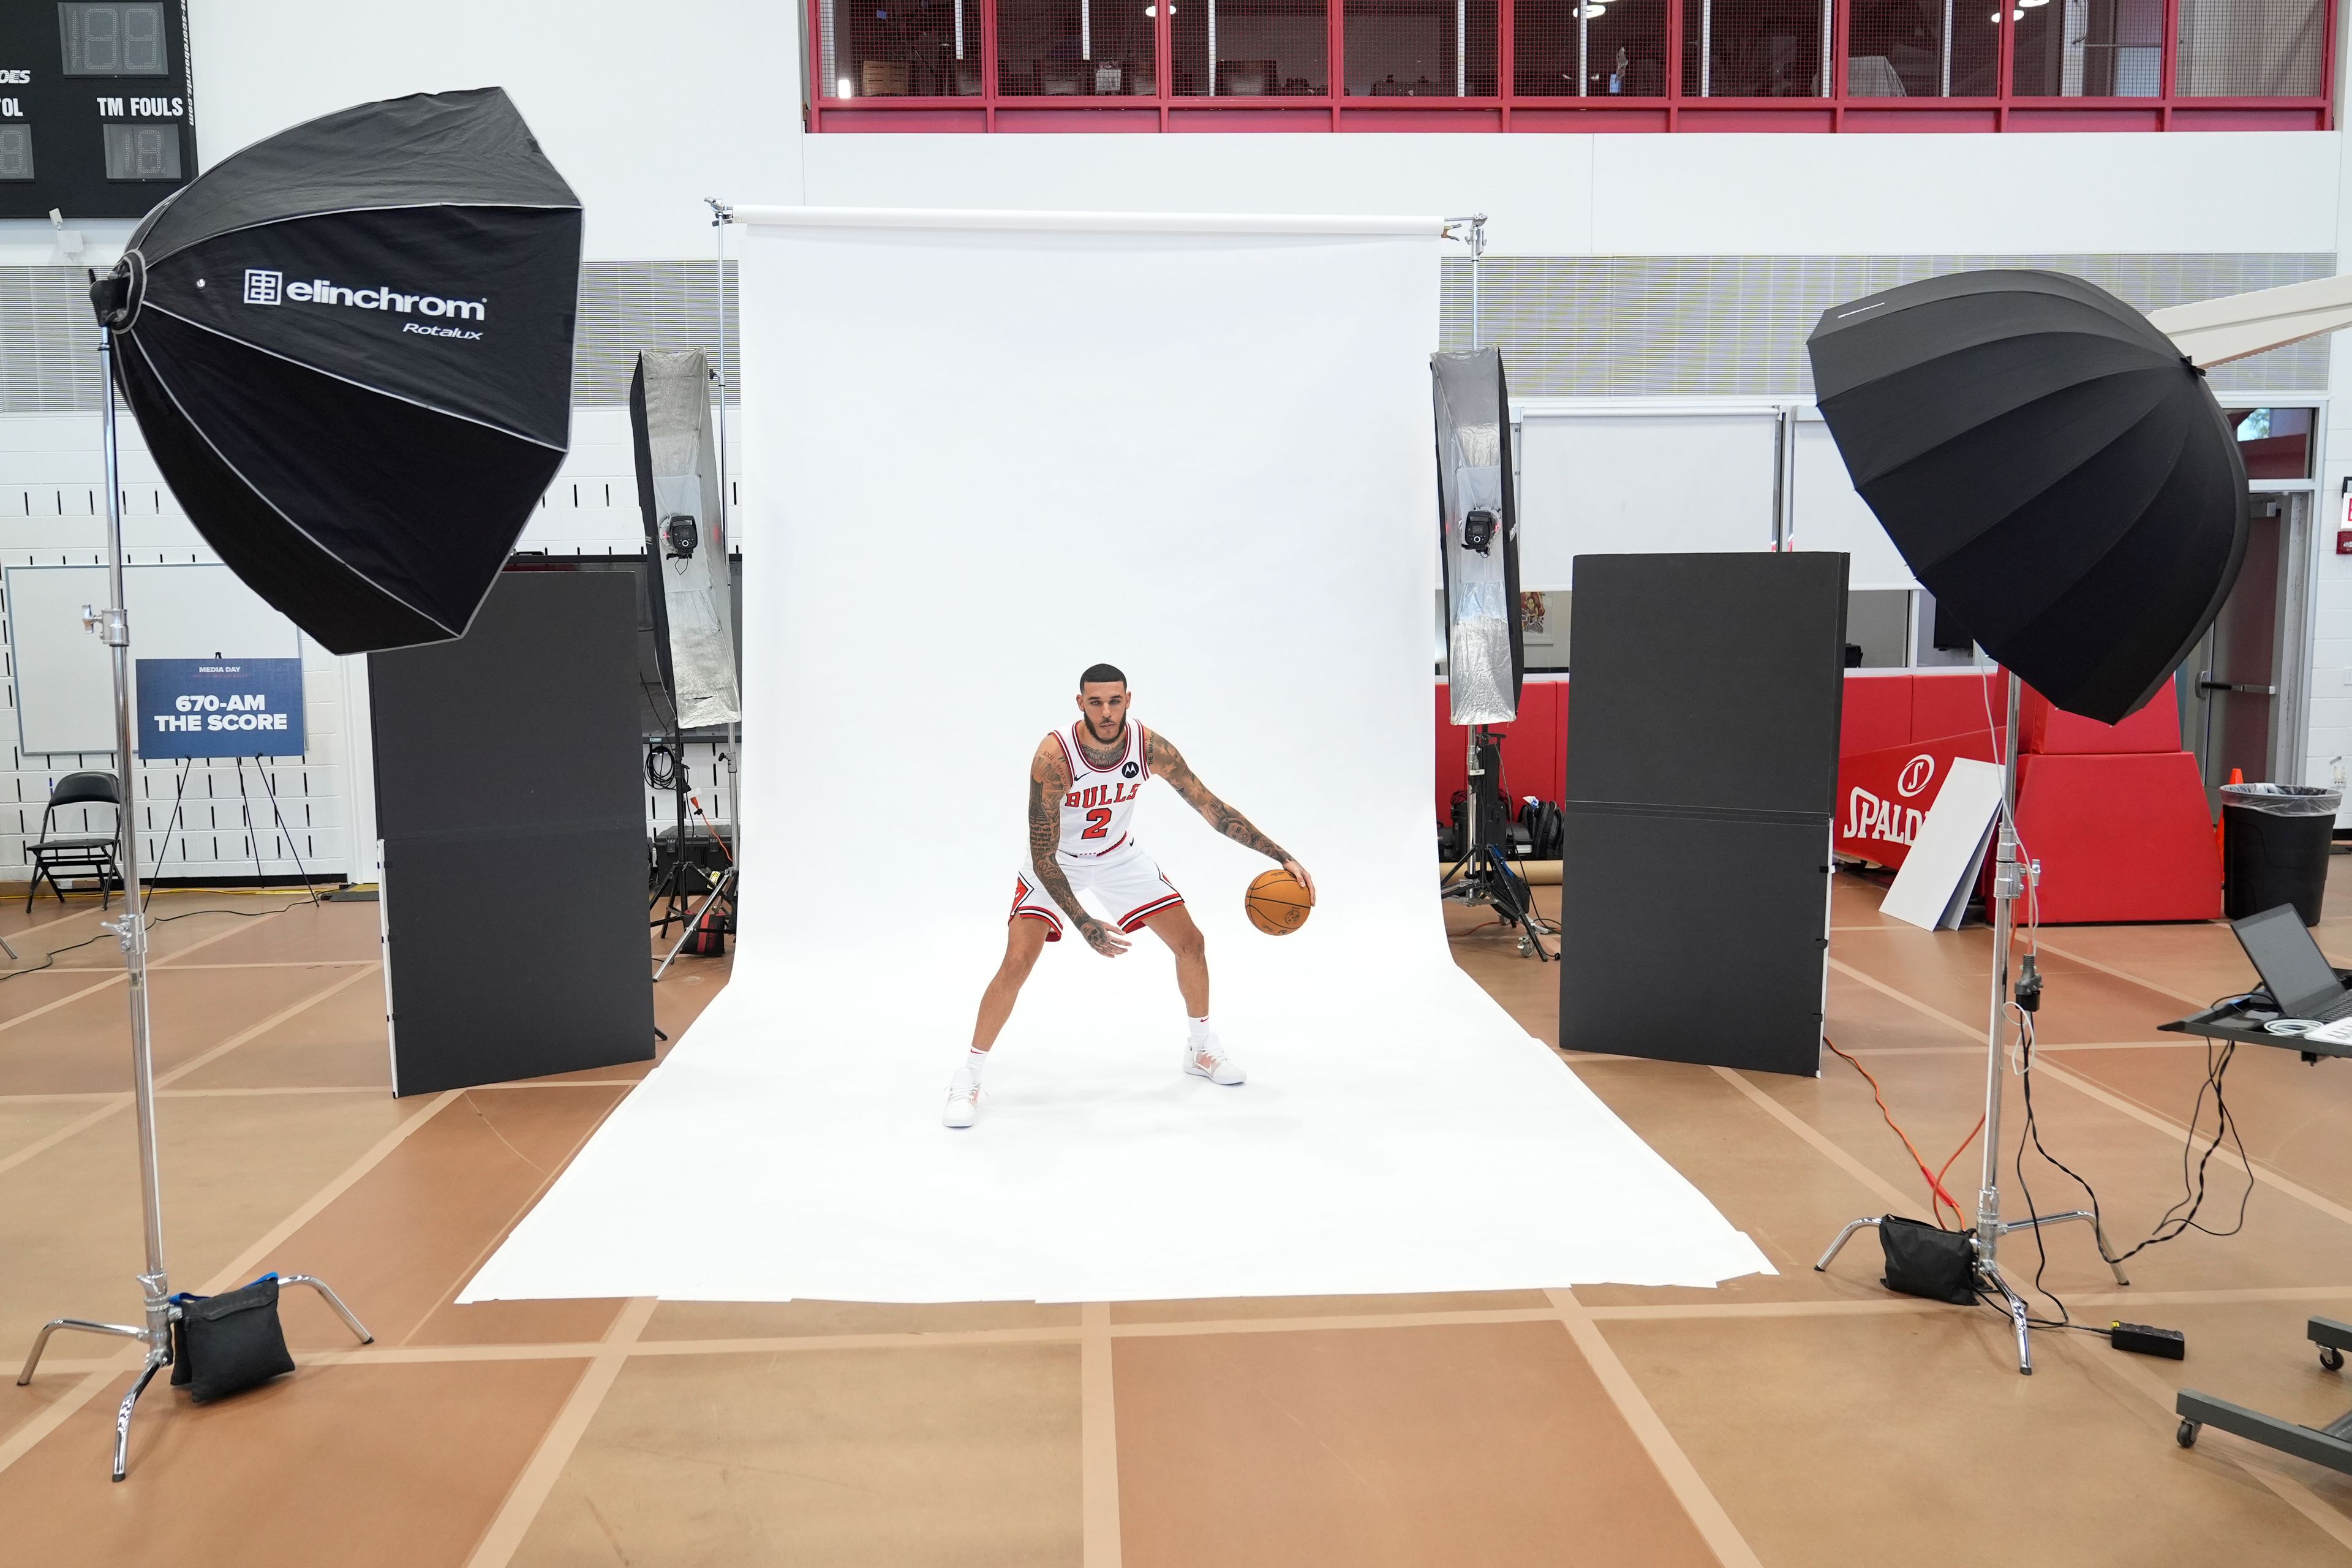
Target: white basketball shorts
(1124,885)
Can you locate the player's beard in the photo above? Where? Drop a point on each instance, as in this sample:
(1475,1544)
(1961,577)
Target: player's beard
(1100,738)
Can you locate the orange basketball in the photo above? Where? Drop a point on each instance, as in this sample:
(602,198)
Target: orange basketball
(1277,902)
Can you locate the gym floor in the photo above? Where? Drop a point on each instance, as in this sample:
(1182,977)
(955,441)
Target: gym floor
(1795,1419)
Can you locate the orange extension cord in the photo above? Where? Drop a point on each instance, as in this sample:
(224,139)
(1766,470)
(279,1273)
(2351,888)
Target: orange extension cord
(697,803)
(1938,1199)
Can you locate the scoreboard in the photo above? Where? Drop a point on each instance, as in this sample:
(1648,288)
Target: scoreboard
(96,118)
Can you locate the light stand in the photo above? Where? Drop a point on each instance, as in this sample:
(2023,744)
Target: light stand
(1984,1241)
(1490,879)
(672,894)
(131,930)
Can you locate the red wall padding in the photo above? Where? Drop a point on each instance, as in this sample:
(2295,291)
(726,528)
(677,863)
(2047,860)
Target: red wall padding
(2055,731)
(2120,836)
(2115,812)
(1534,746)
(1955,703)
(1878,712)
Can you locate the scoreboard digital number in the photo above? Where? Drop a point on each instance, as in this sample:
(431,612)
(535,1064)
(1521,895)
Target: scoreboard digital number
(96,119)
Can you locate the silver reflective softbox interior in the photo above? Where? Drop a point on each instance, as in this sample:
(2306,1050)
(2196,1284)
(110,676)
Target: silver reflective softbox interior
(1480,521)
(670,415)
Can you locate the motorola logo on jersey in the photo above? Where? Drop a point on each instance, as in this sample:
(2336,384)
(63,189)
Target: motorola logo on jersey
(1128,770)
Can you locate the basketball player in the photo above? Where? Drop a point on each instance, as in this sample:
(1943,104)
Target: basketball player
(1083,783)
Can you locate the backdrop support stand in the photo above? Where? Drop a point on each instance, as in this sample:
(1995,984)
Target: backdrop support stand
(1984,1241)
(113,624)
(1472,231)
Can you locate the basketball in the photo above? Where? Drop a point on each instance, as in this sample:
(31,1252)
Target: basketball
(1277,904)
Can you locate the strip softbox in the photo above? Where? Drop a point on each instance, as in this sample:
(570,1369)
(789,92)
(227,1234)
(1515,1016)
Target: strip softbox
(686,535)
(349,350)
(1478,518)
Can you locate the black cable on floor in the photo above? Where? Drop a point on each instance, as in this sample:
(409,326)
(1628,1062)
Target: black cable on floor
(2174,1223)
(49,959)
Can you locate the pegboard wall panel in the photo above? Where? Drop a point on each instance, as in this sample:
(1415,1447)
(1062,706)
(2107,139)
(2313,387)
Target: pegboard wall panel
(48,358)
(270,816)
(591,507)
(52,501)
(711,775)
(52,513)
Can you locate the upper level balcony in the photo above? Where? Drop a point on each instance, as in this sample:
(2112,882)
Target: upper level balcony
(1571,65)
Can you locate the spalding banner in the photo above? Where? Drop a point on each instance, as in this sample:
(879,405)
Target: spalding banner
(1883,796)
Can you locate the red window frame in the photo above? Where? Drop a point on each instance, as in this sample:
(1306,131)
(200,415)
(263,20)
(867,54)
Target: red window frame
(994,110)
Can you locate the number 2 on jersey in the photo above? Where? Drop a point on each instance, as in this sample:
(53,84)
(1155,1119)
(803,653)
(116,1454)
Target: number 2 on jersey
(1097,823)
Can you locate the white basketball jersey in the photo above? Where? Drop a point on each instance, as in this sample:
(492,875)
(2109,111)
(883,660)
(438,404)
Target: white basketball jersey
(1100,804)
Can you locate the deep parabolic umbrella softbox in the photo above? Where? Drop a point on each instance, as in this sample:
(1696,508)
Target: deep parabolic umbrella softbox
(349,348)
(2050,466)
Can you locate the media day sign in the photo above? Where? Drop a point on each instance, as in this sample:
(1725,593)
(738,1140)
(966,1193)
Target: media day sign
(220,707)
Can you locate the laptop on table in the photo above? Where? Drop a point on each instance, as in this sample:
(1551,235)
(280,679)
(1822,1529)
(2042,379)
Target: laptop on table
(2295,971)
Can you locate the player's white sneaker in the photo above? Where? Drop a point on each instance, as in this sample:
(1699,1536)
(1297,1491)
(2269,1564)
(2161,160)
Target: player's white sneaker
(963,1103)
(1205,1058)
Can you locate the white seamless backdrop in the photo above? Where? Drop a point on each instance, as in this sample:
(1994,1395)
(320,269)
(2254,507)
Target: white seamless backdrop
(986,452)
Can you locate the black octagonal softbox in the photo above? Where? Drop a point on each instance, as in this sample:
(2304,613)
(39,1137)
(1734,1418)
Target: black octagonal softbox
(350,349)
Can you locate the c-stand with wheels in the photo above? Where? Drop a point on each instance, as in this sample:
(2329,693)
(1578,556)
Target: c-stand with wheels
(1486,875)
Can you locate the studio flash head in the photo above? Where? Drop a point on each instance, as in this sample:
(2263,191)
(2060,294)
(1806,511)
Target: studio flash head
(1478,530)
(678,531)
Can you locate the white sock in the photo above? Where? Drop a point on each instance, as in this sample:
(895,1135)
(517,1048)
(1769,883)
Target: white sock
(973,1062)
(1199,1029)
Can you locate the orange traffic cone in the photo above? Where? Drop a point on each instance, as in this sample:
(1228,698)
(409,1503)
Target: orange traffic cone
(2221,846)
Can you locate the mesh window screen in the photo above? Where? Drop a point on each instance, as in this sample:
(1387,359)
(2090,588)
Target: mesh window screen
(1075,48)
(1895,49)
(900,49)
(1252,48)
(2090,48)
(2250,48)
(1753,48)
(1421,49)
(1734,326)
(1623,51)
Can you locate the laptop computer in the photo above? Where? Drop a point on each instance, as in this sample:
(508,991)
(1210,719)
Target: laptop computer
(2295,971)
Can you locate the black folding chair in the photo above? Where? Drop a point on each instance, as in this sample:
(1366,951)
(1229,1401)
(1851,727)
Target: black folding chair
(51,856)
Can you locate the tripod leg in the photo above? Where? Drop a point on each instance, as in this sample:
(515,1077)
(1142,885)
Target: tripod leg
(1842,1237)
(2107,1253)
(694,919)
(80,1325)
(155,1358)
(2018,1316)
(321,1287)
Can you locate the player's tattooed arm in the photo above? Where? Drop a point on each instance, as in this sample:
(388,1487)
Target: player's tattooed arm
(1049,780)
(1170,764)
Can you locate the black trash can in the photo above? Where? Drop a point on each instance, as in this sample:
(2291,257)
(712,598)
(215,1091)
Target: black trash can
(2274,845)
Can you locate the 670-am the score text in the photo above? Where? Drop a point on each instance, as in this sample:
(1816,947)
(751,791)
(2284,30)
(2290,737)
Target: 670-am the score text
(201,711)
